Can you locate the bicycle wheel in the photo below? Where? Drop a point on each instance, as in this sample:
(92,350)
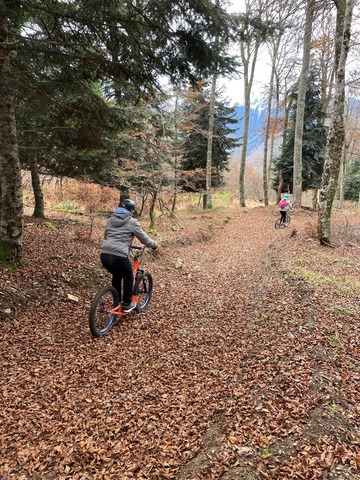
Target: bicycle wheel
(100,319)
(278,223)
(143,290)
(287,220)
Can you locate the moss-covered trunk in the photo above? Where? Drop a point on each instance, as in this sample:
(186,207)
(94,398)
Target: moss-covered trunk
(336,136)
(11,210)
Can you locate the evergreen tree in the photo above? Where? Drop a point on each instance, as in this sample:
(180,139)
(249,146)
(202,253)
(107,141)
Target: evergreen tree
(195,143)
(50,45)
(75,137)
(314,141)
(352,183)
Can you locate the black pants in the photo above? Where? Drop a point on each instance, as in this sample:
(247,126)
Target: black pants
(283,215)
(121,270)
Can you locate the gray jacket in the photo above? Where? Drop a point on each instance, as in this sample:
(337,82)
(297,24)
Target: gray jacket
(120,230)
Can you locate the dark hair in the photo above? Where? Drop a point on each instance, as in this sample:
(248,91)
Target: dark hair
(128,204)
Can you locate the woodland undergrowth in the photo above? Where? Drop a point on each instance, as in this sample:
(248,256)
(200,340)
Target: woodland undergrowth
(245,366)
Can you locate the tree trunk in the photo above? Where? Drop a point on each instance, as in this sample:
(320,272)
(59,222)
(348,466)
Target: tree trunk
(300,110)
(176,155)
(175,193)
(314,199)
(244,148)
(280,187)
(336,136)
(142,201)
(207,196)
(248,81)
(152,210)
(268,121)
(39,209)
(265,164)
(11,212)
(342,174)
(173,204)
(115,55)
(274,131)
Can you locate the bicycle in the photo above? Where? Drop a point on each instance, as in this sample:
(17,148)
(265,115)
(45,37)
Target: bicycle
(279,223)
(103,315)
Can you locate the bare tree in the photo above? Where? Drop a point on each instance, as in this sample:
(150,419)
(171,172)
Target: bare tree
(207,200)
(281,12)
(276,46)
(336,137)
(250,39)
(323,51)
(299,124)
(285,76)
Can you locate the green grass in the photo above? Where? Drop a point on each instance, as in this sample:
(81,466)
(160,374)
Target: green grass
(223,195)
(346,312)
(11,266)
(66,206)
(151,231)
(331,258)
(266,452)
(48,225)
(343,261)
(334,341)
(342,283)
(335,409)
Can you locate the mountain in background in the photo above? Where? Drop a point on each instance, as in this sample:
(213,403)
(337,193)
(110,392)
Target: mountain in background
(258,114)
(256,125)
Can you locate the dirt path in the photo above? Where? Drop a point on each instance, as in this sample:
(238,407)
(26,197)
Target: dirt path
(208,383)
(211,312)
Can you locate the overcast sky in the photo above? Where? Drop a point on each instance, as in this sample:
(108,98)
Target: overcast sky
(234,89)
(236,5)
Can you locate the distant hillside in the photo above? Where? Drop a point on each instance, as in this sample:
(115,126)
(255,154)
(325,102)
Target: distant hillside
(256,156)
(257,119)
(255,152)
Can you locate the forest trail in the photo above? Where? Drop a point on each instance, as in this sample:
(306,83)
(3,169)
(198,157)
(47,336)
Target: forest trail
(223,377)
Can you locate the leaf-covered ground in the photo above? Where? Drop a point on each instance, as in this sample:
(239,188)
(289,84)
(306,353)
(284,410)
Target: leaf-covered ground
(245,366)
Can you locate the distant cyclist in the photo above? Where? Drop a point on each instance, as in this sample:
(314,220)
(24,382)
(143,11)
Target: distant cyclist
(284,207)
(120,230)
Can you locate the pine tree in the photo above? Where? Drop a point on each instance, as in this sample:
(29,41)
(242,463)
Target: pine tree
(195,144)
(314,141)
(49,46)
(352,183)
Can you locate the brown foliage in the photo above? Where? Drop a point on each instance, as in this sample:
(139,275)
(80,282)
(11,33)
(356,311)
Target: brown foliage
(244,365)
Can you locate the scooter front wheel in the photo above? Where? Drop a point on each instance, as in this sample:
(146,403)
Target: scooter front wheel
(100,317)
(143,290)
